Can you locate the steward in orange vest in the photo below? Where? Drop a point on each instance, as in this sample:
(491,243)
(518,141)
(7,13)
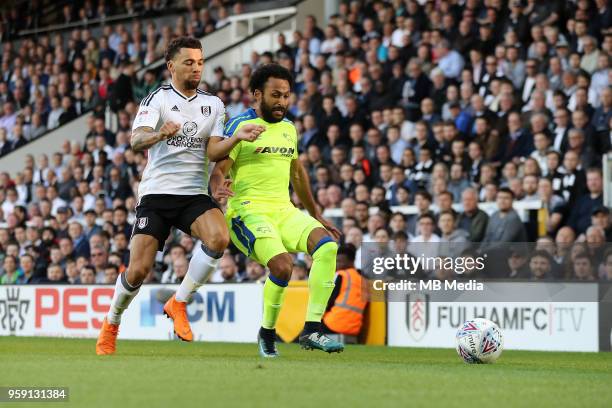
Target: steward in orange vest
(348,300)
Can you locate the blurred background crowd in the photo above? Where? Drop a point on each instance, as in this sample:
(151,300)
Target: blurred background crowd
(441,105)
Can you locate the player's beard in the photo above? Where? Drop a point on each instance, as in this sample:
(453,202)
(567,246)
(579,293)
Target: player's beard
(268,113)
(191,84)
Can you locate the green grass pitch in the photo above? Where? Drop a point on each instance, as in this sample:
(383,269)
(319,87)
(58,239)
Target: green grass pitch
(146,374)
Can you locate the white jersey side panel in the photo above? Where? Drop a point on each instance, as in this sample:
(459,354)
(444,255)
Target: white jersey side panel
(179,165)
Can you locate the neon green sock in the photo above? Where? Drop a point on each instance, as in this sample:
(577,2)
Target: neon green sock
(321,280)
(273,294)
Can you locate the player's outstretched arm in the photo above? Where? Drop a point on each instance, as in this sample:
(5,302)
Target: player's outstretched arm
(219,147)
(144,137)
(301,184)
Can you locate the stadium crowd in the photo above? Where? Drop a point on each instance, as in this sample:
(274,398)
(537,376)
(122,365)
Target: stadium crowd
(30,15)
(49,80)
(398,103)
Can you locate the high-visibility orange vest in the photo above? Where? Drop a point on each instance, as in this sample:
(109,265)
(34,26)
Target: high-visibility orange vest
(346,315)
(354,75)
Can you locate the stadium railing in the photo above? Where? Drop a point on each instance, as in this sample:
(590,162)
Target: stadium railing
(95,22)
(251,34)
(168,16)
(48,143)
(245,25)
(232,57)
(522,208)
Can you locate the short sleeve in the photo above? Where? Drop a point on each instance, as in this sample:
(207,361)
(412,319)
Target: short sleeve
(218,127)
(148,112)
(229,129)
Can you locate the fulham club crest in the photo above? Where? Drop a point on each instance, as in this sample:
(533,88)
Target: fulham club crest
(142,222)
(417,315)
(205,111)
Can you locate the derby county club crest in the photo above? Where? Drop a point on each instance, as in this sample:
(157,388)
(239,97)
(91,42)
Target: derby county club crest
(205,111)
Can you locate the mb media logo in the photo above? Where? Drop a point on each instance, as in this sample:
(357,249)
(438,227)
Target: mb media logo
(219,306)
(275,149)
(13,311)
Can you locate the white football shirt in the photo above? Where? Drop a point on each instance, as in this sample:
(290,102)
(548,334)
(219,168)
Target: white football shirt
(179,165)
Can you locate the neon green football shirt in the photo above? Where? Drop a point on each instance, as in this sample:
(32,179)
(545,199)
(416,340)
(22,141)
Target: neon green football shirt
(261,169)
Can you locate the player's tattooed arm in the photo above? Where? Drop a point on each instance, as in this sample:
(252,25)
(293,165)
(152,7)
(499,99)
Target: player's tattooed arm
(220,147)
(145,136)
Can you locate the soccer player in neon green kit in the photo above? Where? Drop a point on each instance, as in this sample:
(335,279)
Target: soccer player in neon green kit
(263,222)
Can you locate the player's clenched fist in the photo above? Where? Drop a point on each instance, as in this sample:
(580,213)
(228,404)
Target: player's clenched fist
(169,129)
(250,132)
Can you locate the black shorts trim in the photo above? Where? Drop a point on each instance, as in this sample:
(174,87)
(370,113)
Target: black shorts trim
(156,214)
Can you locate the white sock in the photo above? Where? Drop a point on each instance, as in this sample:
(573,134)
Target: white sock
(202,264)
(124,293)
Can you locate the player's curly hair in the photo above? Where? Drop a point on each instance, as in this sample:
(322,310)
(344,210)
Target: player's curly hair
(181,42)
(265,72)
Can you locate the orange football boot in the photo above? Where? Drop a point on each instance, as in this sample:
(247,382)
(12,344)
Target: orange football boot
(107,339)
(177,311)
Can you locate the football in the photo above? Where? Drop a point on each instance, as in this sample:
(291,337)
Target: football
(479,341)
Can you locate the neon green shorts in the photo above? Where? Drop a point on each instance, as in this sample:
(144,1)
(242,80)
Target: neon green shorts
(285,230)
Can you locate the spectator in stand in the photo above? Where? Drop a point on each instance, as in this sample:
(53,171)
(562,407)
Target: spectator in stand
(540,266)
(580,213)
(472,219)
(87,275)
(454,241)
(10,272)
(583,268)
(504,225)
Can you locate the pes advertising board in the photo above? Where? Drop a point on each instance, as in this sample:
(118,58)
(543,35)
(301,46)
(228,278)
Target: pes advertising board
(223,312)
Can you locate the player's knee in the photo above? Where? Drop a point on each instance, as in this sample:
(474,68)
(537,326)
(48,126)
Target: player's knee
(281,266)
(326,249)
(218,242)
(138,272)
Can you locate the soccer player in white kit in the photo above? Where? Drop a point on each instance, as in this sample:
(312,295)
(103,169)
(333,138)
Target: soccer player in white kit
(174,123)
